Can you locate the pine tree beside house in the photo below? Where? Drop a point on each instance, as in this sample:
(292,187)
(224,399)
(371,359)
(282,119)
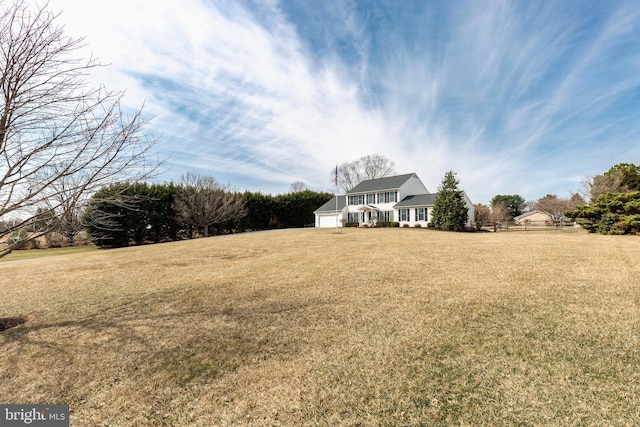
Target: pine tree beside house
(450,211)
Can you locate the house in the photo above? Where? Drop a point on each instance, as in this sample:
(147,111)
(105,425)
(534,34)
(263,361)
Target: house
(537,218)
(401,198)
(532,218)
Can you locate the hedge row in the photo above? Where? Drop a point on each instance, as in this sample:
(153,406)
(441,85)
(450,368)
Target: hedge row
(148,215)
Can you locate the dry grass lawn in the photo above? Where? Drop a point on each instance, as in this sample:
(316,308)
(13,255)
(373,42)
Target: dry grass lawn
(48,252)
(307,327)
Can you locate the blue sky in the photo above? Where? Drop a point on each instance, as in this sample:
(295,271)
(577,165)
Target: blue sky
(516,97)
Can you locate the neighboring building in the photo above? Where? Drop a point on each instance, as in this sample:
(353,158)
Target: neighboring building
(401,198)
(327,216)
(535,218)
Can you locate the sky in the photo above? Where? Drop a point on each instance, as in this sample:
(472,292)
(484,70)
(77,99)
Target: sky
(515,97)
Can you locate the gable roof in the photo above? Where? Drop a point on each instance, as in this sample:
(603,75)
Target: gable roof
(417,200)
(330,206)
(380,184)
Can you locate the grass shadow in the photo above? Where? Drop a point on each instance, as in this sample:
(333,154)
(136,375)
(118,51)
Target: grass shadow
(12,322)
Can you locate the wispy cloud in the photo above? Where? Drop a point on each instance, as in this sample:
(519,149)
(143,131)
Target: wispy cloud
(516,97)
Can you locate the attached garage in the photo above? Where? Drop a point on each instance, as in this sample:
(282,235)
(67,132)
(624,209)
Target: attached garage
(326,215)
(327,221)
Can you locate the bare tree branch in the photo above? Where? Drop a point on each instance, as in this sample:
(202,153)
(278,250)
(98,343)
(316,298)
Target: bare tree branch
(60,139)
(298,186)
(555,206)
(203,202)
(371,166)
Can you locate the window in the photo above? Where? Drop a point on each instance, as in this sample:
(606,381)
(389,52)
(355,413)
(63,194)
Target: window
(388,197)
(371,198)
(385,216)
(404,214)
(357,199)
(421,214)
(354,217)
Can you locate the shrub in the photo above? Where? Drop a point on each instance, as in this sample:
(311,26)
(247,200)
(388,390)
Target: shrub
(389,224)
(417,226)
(53,240)
(351,224)
(20,239)
(612,213)
(405,225)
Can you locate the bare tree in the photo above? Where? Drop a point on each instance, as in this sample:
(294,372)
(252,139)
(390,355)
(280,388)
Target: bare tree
(202,202)
(298,186)
(482,215)
(371,166)
(499,215)
(64,209)
(555,206)
(594,186)
(53,126)
(529,205)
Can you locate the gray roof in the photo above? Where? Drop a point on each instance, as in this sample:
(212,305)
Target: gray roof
(330,206)
(417,200)
(380,184)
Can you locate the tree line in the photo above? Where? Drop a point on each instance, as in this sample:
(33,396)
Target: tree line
(609,203)
(505,208)
(126,214)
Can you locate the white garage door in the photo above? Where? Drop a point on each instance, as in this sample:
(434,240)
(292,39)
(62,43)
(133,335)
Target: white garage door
(327,221)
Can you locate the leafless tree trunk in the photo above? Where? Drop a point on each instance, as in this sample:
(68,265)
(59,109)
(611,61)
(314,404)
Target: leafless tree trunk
(203,202)
(54,128)
(371,166)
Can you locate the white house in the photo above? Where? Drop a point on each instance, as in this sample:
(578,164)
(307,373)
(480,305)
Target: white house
(401,198)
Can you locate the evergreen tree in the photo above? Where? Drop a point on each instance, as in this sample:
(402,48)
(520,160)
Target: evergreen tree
(124,214)
(628,175)
(450,211)
(514,204)
(294,209)
(612,213)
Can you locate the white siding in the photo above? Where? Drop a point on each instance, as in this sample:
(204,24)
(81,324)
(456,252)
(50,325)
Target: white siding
(413,220)
(412,187)
(471,211)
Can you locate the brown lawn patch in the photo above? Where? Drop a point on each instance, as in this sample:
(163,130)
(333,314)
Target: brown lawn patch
(307,327)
